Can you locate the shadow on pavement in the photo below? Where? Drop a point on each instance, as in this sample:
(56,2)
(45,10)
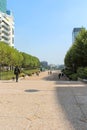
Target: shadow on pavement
(31,90)
(73,100)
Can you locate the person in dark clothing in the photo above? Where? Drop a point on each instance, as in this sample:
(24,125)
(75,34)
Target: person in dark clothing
(59,75)
(62,74)
(17,72)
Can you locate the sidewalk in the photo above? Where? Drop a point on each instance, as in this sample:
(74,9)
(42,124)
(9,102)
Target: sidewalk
(40,104)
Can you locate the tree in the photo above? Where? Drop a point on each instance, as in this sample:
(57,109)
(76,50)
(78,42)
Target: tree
(29,61)
(11,57)
(77,54)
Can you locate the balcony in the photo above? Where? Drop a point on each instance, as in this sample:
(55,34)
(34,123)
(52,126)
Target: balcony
(0,38)
(3,40)
(5,31)
(5,26)
(4,36)
(0,31)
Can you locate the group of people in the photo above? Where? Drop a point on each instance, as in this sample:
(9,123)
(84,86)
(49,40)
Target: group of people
(49,72)
(60,75)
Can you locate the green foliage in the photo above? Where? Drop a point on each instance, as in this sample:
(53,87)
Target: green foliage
(30,61)
(85,72)
(67,72)
(76,57)
(82,72)
(73,76)
(3,53)
(6,75)
(77,54)
(11,57)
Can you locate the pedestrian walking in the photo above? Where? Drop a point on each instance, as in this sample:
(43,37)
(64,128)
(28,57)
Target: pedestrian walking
(62,74)
(17,72)
(59,75)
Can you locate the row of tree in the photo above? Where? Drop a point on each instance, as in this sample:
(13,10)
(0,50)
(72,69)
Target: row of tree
(76,57)
(10,56)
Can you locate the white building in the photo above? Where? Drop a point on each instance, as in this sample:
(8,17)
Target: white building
(7,28)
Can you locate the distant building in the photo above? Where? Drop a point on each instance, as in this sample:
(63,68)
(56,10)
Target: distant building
(3,6)
(6,24)
(44,64)
(75,32)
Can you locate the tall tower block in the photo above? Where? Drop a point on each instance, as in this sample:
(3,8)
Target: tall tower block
(3,6)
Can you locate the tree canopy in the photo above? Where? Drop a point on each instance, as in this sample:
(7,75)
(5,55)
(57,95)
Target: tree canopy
(76,56)
(10,56)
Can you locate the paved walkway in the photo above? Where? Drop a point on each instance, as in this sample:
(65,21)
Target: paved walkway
(43,103)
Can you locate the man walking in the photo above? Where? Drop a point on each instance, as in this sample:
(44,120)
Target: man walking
(17,72)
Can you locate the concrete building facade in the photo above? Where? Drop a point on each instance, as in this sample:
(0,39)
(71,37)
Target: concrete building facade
(7,29)
(6,24)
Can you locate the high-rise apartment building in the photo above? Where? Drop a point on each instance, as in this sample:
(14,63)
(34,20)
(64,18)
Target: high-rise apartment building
(3,6)
(6,24)
(75,32)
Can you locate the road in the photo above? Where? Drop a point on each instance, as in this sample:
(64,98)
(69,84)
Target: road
(43,103)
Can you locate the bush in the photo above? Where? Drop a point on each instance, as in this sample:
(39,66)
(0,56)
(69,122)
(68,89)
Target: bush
(22,74)
(85,72)
(29,74)
(73,77)
(67,72)
(82,72)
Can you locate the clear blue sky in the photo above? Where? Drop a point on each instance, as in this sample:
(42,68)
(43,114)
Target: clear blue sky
(43,28)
